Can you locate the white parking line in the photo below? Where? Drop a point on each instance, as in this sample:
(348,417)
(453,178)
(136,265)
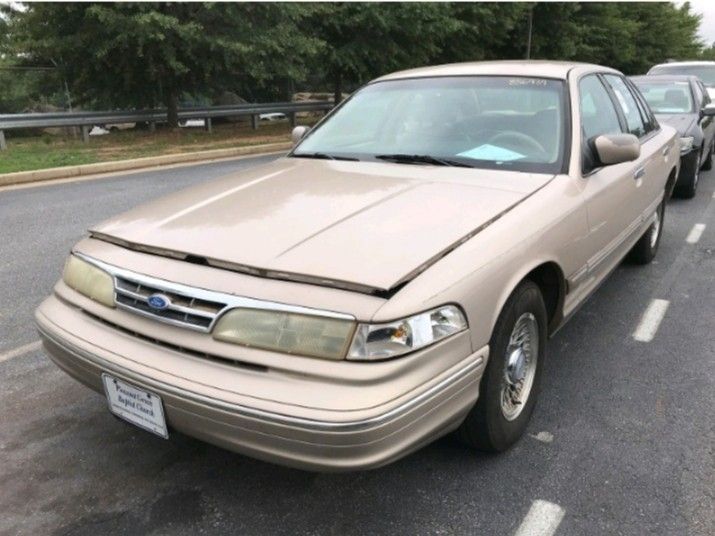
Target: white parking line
(650,320)
(695,233)
(22,350)
(542,519)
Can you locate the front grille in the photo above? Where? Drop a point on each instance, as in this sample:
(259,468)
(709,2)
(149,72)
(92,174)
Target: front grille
(183,310)
(177,348)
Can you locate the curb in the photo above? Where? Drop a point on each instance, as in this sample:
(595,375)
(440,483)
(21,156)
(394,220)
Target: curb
(22,177)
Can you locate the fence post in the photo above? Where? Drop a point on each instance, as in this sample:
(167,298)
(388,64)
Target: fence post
(254,121)
(152,126)
(3,145)
(208,125)
(85,133)
(291,115)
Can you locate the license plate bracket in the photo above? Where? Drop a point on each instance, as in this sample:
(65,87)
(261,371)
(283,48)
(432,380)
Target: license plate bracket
(135,405)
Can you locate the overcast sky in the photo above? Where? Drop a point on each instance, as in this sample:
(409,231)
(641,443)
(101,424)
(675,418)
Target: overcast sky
(707,9)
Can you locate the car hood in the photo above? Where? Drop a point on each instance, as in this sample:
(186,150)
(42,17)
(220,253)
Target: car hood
(680,122)
(373,225)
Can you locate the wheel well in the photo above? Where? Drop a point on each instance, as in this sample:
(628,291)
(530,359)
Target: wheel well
(550,280)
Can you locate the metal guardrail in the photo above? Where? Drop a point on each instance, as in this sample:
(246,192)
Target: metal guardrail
(86,120)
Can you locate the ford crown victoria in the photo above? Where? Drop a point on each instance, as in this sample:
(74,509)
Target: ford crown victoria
(392,279)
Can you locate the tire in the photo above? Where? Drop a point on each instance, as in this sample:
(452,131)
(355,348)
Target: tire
(489,426)
(647,246)
(687,191)
(708,164)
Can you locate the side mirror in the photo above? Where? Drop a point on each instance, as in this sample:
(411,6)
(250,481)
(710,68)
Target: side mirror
(709,110)
(616,148)
(298,134)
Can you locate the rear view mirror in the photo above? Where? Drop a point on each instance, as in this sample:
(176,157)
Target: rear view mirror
(616,148)
(709,110)
(298,134)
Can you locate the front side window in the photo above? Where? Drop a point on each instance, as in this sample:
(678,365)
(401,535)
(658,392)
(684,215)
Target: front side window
(598,116)
(667,97)
(476,121)
(628,104)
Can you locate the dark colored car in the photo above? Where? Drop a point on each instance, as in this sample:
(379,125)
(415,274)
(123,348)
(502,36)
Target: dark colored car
(683,102)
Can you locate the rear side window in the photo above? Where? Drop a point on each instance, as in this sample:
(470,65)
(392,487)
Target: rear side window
(703,92)
(648,118)
(629,106)
(598,116)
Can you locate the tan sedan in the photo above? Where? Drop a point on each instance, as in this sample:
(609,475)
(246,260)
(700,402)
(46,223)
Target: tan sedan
(392,279)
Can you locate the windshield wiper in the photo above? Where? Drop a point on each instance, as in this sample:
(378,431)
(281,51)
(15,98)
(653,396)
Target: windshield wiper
(324,156)
(421,159)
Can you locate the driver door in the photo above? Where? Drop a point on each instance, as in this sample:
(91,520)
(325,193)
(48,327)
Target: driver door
(611,192)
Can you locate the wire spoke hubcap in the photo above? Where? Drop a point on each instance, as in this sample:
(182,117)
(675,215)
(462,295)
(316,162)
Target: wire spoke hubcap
(520,366)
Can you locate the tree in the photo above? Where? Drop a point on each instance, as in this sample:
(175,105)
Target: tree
(661,34)
(141,54)
(484,31)
(144,54)
(364,40)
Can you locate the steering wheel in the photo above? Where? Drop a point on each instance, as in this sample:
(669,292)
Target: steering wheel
(518,141)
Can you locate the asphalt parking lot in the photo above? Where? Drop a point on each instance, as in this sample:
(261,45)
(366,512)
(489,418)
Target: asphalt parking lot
(622,440)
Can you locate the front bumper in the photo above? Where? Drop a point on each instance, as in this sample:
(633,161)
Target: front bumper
(299,435)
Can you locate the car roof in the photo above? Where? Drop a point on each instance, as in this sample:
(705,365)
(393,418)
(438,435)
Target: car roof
(528,68)
(684,63)
(666,77)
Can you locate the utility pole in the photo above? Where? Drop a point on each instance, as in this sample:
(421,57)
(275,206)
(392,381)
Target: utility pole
(528,39)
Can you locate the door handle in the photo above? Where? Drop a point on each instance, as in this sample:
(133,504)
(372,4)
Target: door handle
(639,173)
(665,150)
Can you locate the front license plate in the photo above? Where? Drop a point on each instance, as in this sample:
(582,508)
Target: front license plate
(138,406)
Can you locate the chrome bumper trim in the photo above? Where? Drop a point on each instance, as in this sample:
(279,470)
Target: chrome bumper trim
(253,413)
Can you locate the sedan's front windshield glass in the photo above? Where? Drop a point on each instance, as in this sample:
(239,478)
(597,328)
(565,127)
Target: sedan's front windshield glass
(706,73)
(666,97)
(472,121)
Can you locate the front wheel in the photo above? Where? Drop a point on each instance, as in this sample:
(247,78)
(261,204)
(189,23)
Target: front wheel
(510,384)
(687,190)
(708,164)
(647,246)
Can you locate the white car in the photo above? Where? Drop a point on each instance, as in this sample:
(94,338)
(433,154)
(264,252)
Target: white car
(705,70)
(274,116)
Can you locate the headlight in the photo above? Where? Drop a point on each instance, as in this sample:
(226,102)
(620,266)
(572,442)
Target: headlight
(89,280)
(686,144)
(380,341)
(314,336)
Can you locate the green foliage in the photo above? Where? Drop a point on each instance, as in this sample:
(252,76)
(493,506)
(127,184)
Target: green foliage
(142,54)
(485,31)
(364,40)
(118,55)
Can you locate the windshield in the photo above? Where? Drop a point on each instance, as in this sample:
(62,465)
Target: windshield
(667,97)
(474,121)
(706,73)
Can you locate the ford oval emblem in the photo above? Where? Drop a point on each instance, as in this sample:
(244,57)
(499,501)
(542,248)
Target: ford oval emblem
(158,301)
